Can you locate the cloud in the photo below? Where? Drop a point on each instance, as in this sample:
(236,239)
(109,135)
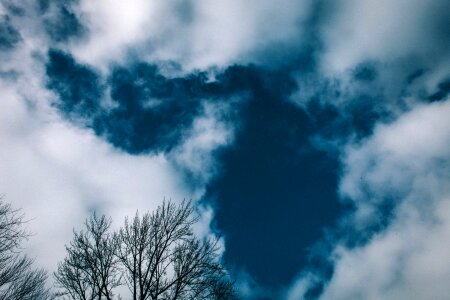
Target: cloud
(385,31)
(196,34)
(406,164)
(136,107)
(209,132)
(248,288)
(61,20)
(9,36)
(79,87)
(373,65)
(346,107)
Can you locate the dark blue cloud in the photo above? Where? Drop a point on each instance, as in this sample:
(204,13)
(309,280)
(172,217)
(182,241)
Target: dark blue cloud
(350,106)
(14,9)
(273,190)
(443,90)
(365,72)
(79,87)
(153,111)
(9,36)
(149,112)
(415,75)
(60,21)
(133,123)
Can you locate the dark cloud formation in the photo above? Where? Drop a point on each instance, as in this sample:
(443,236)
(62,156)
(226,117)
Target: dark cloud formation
(365,72)
(60,21)
(443,90)
(153,111)
(149,112)
(350,106)
(79,87)
(14,9)
(272,177)
(9,36)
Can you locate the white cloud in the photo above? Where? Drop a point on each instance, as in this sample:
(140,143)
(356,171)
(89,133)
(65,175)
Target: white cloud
(197,34)
(409,261)
(399,157)
(407,163)
(112,26)
(300,287)
(248,288)
(386,31)
(209,132)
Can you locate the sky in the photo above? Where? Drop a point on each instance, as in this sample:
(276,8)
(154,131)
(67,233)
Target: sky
(313,137)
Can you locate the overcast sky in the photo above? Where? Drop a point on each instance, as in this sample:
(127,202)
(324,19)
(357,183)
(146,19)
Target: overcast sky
(312,136)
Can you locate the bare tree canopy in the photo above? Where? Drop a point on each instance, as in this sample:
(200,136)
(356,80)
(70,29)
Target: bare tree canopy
(155,255)
(18,280)
(90,270)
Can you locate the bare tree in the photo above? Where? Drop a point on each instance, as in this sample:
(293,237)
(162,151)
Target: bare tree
(163,260)
(156,255)
(90,270)
(18,280)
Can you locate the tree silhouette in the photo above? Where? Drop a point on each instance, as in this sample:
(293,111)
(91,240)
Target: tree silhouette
(18,280)
(90,270)
(156,256)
